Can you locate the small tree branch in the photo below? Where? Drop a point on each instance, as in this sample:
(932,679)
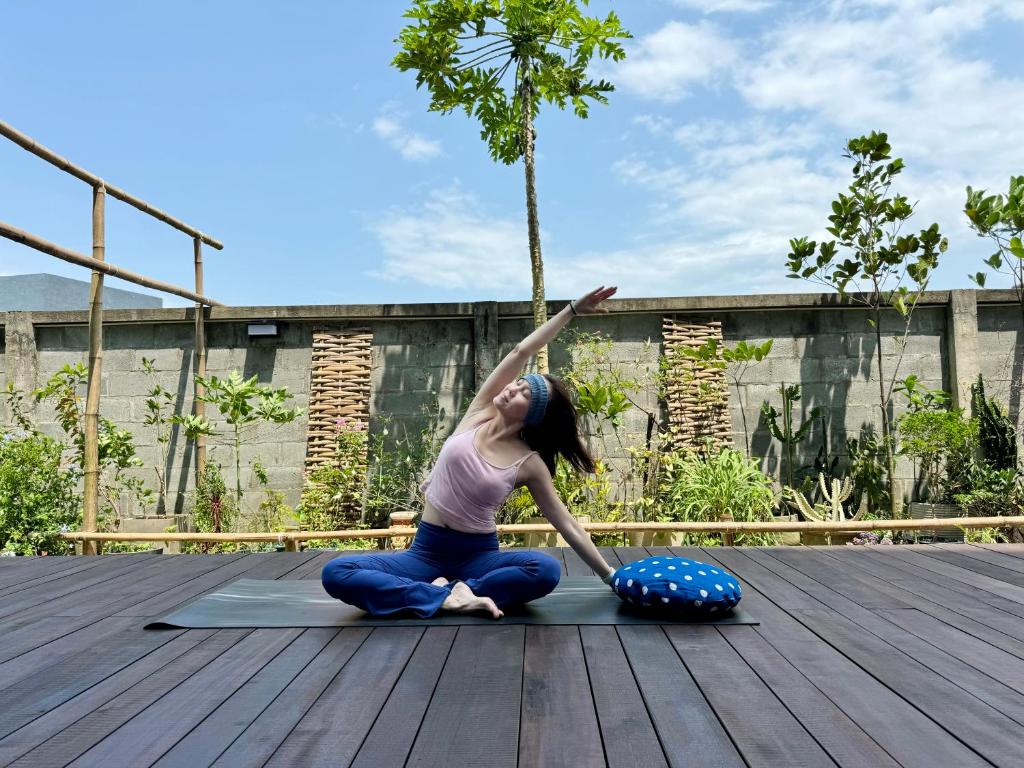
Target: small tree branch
(500,41)
(483,58)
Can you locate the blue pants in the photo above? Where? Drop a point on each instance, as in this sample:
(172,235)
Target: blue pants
(387,584)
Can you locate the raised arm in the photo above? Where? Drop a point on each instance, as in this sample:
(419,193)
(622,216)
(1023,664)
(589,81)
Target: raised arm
(515,361)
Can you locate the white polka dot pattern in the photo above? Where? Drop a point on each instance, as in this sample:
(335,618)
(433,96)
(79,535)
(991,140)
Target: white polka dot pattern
(702,590)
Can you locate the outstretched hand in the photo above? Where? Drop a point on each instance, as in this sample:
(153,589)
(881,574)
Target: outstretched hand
(588,303)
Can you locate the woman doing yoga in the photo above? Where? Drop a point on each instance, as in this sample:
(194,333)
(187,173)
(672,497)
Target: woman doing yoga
(511,436)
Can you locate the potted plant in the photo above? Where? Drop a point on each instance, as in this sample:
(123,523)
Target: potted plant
(942,442)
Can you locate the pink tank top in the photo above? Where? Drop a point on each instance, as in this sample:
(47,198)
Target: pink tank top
(466,487)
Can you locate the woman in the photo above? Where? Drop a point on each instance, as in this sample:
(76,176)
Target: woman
(509,437)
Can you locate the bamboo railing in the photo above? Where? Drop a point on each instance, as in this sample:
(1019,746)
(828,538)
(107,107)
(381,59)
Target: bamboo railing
(291,539)
(99,266)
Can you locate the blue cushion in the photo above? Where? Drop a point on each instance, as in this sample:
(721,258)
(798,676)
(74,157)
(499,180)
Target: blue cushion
(677,586)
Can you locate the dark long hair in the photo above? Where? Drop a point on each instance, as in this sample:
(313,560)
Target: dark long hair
(558,432)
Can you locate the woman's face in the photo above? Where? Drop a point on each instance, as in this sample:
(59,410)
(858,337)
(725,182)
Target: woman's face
(514,400)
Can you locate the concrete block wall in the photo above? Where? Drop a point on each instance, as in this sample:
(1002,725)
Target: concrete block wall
(832,354)
(447,349)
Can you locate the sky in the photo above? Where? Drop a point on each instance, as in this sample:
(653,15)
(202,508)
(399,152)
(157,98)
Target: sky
(284,131)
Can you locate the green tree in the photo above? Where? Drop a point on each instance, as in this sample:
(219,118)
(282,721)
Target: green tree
(1001,220)
(244,404)
(462,51)
(867,223)
(116,446)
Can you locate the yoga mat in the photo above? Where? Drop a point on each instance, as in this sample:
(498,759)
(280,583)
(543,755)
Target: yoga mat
(304,603)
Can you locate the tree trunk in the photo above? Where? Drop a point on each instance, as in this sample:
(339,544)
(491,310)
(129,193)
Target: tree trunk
(540,315)
(890,461)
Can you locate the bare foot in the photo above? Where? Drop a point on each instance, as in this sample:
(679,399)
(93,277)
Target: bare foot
(440,581)
(462,600)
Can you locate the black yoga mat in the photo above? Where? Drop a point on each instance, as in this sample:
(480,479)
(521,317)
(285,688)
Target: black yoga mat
(304,603)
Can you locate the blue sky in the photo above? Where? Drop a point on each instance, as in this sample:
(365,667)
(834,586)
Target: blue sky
(283,131)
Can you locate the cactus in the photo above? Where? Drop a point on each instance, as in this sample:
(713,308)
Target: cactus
(996,432)
(831,512)
(785,434)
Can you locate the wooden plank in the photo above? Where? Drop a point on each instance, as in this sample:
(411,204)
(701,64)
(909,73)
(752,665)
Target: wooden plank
(204,744)
(626,728)
(136,649)
(980,726)
(838,734)
(23,579)
(393,733)
(23,570)
(950,662)
(106,717)
(958,605)
(473,717)
(258,741)
(690,732)
(558,722)
(32,691)
(153,729)
(77,601)
(977,565)
(332,730)
(53,722)
(629,555)
(46,593)
(1010,550)
(956,609)
(610,556)
(254,566)
(911,738)
(937,588)
(53,653)
(314,567)
(971,578)
(761,727)
(985,657)
(987,555)
(574,565)
(33,634)
(149,583)
(96,634)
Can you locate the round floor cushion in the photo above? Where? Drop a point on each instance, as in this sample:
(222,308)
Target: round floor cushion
(677,586)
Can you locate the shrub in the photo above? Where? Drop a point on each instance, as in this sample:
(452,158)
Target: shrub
(37,496)
(699,489)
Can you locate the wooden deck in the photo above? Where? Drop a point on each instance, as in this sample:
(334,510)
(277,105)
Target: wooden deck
(865,656)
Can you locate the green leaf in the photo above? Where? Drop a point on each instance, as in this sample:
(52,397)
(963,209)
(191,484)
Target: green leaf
(1016,248)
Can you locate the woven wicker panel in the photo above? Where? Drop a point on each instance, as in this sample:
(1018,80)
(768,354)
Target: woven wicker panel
(339,387)
(697,396)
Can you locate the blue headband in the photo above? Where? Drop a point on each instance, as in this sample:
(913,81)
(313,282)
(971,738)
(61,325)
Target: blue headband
(538,398)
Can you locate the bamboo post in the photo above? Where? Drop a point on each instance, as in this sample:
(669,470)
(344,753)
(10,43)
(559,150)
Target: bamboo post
(198,406)
(728,537)
(92,399)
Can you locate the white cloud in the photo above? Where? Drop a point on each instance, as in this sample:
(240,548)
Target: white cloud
(666,64)
(450,242)
(897,70)
(411,145)
(725,6)
(814,79)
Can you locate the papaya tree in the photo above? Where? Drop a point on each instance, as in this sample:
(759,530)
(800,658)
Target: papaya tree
(497,60)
